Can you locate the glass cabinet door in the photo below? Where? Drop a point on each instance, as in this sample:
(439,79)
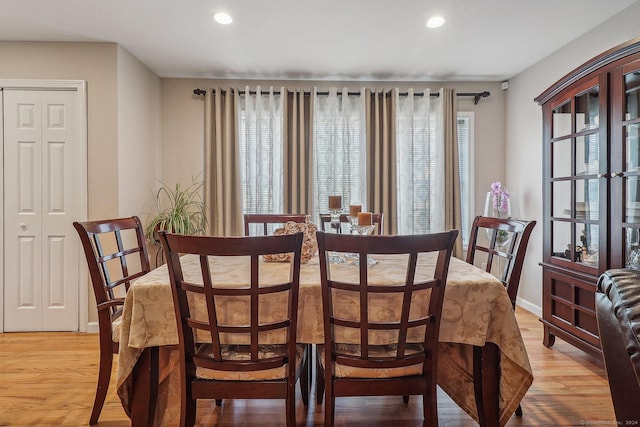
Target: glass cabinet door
(576,179)
(628,127)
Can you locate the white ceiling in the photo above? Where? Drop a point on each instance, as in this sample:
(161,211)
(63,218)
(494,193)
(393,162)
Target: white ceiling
(317,39)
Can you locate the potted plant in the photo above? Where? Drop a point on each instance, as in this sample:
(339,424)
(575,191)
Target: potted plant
(180,210)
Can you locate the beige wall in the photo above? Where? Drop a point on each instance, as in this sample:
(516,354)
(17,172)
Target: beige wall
(183,124)
(182,131)
(95,63)
(139,136)
(524,131)
(123,118)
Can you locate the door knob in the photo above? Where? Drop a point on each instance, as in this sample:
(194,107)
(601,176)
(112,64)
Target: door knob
(23,226)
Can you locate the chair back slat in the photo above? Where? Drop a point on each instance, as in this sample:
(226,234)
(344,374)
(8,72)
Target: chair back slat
(116,254)
(187,290)
(503,241)
(370,284)
(266,223)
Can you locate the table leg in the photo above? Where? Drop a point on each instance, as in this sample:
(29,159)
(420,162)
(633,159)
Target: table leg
(486,383)
(145,388)
(305,375)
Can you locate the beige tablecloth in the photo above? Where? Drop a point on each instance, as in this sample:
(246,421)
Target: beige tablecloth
(476,310)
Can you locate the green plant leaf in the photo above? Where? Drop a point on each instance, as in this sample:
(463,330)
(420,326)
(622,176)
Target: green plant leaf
(180,210)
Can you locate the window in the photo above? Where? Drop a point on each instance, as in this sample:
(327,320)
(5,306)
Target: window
(339,150)
(420,175)
(465,164)
(420,156)
(340,158)
(261,151)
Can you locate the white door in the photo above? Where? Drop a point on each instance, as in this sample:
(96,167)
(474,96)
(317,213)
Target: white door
(42,188)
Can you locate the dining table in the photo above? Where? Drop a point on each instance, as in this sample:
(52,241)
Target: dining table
(483,363)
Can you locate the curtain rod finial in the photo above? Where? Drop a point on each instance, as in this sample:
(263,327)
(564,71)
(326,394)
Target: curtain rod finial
(199,92)
(480,95)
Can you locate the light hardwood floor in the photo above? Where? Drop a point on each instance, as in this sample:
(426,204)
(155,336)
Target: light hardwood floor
(48,379)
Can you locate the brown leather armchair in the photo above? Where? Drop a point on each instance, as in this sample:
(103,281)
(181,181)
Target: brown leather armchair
(618,314)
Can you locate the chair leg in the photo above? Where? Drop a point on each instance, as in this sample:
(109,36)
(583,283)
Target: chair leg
(430,407)
(104,376)
(291,405)
(319,380)
(329,408)
(519,411)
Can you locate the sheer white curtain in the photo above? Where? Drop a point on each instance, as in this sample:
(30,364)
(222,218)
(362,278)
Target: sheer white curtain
(261,150)
(339,149)
(420,154)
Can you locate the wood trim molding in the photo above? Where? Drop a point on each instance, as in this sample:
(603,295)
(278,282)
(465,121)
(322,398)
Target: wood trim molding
(80,87)
(604,59)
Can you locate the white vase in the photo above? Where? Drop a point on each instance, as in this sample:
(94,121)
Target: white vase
(489,210)
(502,237)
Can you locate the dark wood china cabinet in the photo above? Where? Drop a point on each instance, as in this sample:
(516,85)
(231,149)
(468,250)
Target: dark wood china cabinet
(591,189)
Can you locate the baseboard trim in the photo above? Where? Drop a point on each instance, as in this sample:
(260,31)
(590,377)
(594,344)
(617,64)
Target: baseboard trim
(535,309)
(92,328)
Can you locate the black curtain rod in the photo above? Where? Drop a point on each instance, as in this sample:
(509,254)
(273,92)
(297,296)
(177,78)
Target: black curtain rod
(476,95)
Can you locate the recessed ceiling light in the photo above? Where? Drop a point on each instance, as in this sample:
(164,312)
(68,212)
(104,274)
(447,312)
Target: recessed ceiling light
(222,18)
(435,22)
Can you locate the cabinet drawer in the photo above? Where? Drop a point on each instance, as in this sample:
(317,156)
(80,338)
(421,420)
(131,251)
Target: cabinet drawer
(569,304)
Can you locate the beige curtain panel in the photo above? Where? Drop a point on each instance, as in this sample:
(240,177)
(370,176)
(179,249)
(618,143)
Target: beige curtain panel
(381,156)
(453,213)
(223,192)
(298,151)
(223,195)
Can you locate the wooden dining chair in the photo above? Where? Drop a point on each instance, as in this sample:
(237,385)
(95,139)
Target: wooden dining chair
(116,254)
(269,222)
(502,254)
(504,251)
(325,222)
(249,369)
(396,354)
